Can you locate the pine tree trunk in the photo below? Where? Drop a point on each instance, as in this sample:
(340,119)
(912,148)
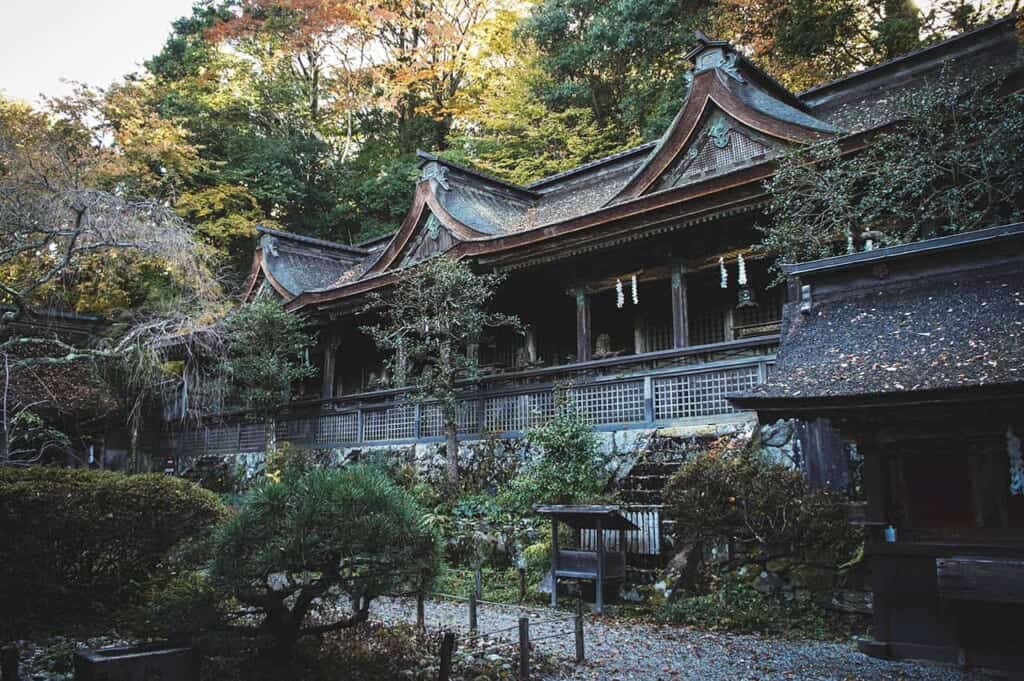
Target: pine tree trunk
(451,431)
(133,447)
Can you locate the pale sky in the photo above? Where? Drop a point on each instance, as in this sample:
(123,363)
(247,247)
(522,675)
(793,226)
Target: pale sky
(93,41)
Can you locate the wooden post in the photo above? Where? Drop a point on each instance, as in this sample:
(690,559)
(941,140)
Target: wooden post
(472,613)
(599,582)
(639,342)
(531,343)
(522,584)
(524,649)
(421,619)
(478,583)
(554,562)
(680,314)
(583,350)
(329,366)
(447,647)
(9,663)
(579,631)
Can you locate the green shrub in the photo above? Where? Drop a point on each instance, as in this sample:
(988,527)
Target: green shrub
(738,495)
(734,605)
(75,538)
(568,470)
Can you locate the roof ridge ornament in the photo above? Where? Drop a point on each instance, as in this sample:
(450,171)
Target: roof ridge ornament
(437,172)
(714,54)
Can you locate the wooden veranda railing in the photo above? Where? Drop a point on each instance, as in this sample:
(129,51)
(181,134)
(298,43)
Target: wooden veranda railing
(649,390)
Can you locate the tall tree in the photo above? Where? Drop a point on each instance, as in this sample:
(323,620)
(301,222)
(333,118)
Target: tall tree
(430,325)
(67,242)
(622,59)
(266,355)
(505,128)
(625,59)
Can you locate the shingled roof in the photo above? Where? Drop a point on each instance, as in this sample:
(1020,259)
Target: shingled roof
(713,160)
(292,264)
(942,314)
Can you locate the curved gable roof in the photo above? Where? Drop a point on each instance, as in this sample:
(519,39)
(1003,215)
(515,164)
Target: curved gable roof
(723,81)
(468,213)
(293,264)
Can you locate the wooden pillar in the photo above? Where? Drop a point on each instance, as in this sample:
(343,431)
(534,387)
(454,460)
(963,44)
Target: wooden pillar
(329,368)
(876,489)
(583,345)
(639,342)
(554,562)
(531,343)
(599,583)
(680,318)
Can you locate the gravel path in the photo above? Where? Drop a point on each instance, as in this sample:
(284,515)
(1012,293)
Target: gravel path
(625,651)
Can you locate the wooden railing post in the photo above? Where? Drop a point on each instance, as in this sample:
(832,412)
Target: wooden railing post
(421,619)
(478,582)
(524,649)
(579,631)
(472,613)
(648,399)
(447,647)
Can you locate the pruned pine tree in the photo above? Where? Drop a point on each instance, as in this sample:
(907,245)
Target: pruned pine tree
(430,324)
(294,545)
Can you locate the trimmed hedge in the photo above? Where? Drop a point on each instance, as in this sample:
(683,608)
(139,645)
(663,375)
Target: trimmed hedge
(76,539)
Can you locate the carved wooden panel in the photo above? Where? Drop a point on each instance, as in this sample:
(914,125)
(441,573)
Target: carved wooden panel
(433,238)
(721,145)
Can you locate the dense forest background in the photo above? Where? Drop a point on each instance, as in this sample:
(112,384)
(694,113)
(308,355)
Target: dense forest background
(306,114)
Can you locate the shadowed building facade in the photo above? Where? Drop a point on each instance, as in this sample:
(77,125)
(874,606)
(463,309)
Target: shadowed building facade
(916,353)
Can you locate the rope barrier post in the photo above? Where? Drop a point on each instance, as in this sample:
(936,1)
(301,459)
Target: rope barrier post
(472,613)
(524,649)
(579,631)
(447,647)
(421,620)
(9,663)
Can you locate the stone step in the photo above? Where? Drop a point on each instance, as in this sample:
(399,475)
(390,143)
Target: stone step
(641,496)
(647,468)
(632,482)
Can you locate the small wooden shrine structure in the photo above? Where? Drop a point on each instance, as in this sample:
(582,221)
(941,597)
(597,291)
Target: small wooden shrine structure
(601,564)
(916,353)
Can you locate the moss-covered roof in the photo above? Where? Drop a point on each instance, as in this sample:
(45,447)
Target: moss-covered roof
(894,324)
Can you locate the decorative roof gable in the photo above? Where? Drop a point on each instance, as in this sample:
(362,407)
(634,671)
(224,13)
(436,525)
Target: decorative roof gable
(292,264)
(734,115)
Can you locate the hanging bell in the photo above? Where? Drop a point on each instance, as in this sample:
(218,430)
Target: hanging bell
(745,297)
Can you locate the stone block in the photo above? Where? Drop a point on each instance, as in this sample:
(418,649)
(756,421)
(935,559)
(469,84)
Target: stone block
(812,578)
(138,663)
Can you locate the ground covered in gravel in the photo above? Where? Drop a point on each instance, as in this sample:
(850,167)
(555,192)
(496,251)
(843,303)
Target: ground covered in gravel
(619,650)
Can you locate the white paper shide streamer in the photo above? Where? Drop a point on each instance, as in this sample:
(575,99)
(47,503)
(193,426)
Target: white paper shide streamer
(620,297)
(636,295)
(741,277)
(723,273)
